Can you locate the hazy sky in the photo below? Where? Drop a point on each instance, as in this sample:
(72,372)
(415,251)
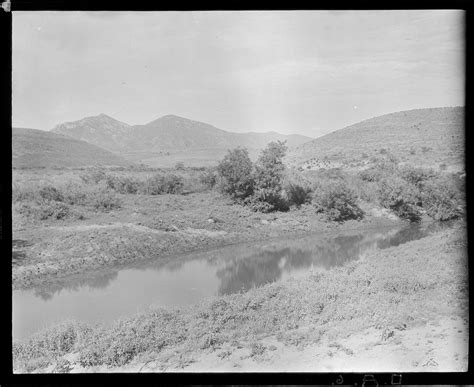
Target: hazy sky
(308,72)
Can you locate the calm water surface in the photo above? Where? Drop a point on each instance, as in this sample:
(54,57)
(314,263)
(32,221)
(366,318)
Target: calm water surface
(187,279)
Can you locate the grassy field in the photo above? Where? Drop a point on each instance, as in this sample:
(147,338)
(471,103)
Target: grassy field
(389,297)
(68,221)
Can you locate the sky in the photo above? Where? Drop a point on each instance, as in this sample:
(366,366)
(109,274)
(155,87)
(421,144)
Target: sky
(306,72)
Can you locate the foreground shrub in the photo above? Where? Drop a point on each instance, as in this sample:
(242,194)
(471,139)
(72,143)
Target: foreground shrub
(235,173)
(338,201)
(43,348)
(46,210)
(441,201)
(401,197)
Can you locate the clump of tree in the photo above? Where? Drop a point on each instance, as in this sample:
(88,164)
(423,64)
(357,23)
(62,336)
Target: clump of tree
(258,185)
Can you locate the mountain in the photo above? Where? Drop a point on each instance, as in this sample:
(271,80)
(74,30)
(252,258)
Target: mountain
(102,130)
(168,133)
(426,137)
(38,148)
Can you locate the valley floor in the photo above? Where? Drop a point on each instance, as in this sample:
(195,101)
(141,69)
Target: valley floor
(154,227)
(404,308)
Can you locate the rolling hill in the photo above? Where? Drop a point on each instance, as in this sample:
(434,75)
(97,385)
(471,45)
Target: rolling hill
(102,130)
(168,139)
(426,137)
(38,148)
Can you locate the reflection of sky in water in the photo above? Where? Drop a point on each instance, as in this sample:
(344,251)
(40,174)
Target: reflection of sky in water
(107,295)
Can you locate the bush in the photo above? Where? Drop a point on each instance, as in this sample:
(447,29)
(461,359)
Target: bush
(123,184)
(102,199)
(236,174)
(46,210)
(50,193)
(338,201)
(179,166)
(297,194)
(208,178)
(441,201)
(269,175)
(160,184)
(401,197)
(94,176)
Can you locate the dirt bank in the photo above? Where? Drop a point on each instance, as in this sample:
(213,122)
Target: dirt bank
(153,227)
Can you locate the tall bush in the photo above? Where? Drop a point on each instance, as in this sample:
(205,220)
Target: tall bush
(236,174)
(269,176)
(338,201)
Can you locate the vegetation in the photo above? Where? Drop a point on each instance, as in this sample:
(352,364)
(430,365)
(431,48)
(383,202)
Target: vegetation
(338,201)
(390,289)
(236,174)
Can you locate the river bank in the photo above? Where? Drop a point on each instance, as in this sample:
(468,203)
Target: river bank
(407,304)
(156,227)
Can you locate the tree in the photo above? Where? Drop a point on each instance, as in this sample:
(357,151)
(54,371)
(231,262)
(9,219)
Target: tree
(236,174)
(269,170)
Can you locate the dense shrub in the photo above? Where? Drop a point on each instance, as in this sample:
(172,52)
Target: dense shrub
(297,194)
(45,210)
(441,200)
(236,174)
(338,201)
(401,197)
(123,184)
(163,184)
(416,176)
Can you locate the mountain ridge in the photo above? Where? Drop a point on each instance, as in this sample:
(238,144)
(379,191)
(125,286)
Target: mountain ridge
(169,132)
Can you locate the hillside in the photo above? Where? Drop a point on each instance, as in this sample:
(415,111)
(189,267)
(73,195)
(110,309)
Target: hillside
(426,137)
(102,130)
(168,139)
(37,148)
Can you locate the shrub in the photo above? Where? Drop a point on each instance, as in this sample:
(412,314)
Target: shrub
(416,176)
(269,176)
(48,193)
(297,194)
(179,166)
(94,176)
(208,178)
(236,174)
(401,197)
(159,184)
(123,184)
(338,201)
(441,201)
(102,199)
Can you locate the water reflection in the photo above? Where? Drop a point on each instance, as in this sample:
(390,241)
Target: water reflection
(183,280)
(99,280)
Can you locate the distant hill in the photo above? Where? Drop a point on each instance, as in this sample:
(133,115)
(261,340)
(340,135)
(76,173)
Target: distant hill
(38,148)
(102,130)
(424,137)
(169,134)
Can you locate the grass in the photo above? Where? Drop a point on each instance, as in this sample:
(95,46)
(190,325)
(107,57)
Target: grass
(396,286)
